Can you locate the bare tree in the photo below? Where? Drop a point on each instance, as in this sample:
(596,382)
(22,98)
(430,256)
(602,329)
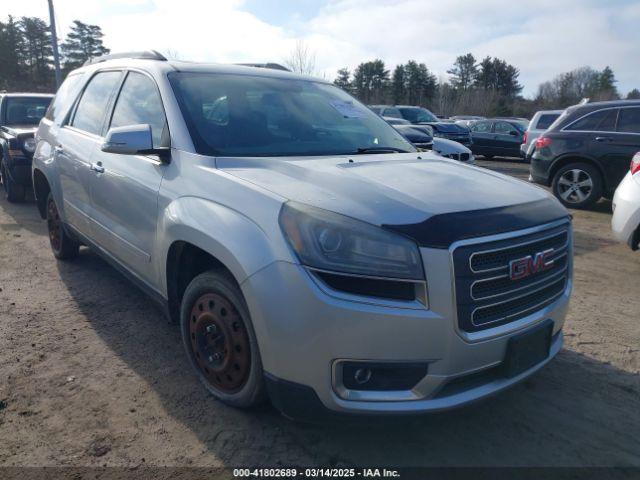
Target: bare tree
(302,59)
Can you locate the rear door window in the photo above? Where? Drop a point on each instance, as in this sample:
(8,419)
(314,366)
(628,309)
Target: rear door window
(545,120)
(629,121)
(503,128)
(92,108)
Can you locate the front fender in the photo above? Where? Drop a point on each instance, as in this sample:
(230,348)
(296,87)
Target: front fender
(231,237)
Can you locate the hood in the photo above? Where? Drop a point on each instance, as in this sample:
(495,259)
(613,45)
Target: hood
(444,145)
(413,134)
(17,130)
(393,190)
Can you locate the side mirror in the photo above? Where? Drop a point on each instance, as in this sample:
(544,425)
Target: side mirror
(132,140)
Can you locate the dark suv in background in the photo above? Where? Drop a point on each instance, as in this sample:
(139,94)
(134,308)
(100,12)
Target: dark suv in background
(20,114)
(586,152)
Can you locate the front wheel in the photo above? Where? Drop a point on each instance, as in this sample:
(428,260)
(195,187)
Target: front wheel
(64,247)
(220,341)
(577,185)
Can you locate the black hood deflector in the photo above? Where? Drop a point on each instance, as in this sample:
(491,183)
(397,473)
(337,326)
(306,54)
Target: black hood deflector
(441,231)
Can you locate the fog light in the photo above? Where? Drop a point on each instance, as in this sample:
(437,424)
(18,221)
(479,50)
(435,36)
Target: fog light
(362,376)
(382,376)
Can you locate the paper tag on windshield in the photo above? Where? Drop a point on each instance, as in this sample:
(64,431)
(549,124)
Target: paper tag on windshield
(347,109)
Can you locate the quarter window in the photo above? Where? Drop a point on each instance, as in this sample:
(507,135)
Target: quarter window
(90,113)
(629,120)
(65,96)
(600,121)
(139,103)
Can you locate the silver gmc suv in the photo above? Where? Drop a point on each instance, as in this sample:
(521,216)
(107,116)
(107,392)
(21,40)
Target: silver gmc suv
(309,253)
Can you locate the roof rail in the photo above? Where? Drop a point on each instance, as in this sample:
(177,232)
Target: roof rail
(142,55)
(272,66)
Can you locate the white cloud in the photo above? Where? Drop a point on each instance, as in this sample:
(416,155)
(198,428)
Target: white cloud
(541,37)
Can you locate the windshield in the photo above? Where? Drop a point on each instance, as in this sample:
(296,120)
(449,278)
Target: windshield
(244,115)
(417,115)
(26,110)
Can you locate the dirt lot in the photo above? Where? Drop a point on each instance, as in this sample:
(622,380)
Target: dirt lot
(91,374)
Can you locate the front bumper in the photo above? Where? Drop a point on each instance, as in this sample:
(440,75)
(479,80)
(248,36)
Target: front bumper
(625,222)
(304,329)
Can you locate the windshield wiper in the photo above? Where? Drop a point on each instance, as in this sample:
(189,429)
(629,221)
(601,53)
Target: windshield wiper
(381,150)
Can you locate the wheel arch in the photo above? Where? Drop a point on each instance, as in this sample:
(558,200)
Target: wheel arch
(198,235)
(41,189)
(575,158)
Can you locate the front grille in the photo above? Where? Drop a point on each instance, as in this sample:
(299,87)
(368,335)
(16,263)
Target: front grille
(486,296)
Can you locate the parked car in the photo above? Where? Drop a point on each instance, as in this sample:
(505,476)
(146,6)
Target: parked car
(20,114)
(422,137)
(422,116)
(586,152)
(497,138)
(304,246)
(539,123)
(626,206)
(466,120)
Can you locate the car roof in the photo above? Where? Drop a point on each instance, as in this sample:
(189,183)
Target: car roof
(165,66)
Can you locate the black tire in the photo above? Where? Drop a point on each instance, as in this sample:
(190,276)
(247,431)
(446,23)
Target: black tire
(63,246)
(220,341)
(577,185)
(13,193)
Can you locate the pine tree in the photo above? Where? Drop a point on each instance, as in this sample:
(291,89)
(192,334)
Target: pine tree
(633,94)
(464,72)
(399,84)
(343,79)
(83,43)
(36,53)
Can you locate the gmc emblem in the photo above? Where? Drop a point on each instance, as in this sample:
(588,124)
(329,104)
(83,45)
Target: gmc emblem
(530,265)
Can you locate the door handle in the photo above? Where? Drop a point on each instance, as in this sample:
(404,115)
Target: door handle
(603,139)
(97,167)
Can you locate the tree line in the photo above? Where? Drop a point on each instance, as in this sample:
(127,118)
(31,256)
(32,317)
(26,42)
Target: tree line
(26,56)
(489,87)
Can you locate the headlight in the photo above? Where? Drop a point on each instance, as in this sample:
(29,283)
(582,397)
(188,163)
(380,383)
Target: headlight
(329,241)
(30,145)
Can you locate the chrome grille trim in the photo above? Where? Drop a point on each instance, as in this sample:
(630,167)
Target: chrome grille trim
(533,284)
(481,305)
(517,245)
(520,312)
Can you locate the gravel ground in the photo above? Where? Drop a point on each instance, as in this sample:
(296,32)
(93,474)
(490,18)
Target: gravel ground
(91,374)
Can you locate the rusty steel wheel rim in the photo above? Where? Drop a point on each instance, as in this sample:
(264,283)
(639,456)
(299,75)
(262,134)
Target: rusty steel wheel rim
(220,342)
(54,225)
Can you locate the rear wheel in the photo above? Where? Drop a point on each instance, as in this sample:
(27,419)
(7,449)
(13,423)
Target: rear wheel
(64,247)
(13,192)
(220,341)
(577,185)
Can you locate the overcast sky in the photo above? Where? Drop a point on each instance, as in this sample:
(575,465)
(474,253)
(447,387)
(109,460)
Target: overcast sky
(542,37)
